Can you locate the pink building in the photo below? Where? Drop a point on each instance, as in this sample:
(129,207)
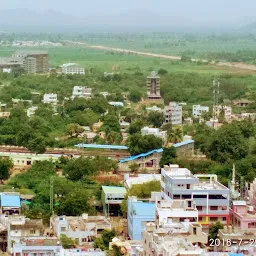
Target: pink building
(243,216)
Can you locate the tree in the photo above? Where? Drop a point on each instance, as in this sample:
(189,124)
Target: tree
(167,156)
(111,123)
(5,166)
(136,126)
(67,242)
(134,167)
(135,96)
(74,129)
(114,137)
(141,144)
(162,71)
(37,145)
(155,118)
(214,229)
(176,135)
(105,239)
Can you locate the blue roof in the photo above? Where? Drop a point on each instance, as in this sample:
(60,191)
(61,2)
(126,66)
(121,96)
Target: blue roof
(183,143)
(235,254)
(131,158)
(98,146)
(10,200)
(144,208)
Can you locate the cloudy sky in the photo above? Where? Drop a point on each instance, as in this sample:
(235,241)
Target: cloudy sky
(210,10)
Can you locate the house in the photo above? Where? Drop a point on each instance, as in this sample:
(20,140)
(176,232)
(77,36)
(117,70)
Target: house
(81,92)
(72,69)
(226,110)
(43,246)
(50,98)
(123,246)
(112,198)
(31,111)
(185,148)
(173,114)
(154,108)
(116,104)
(96,126)
(242,103)
(10,203)
(140,179)
(83,252)
(198,110)
(124,125)
(138,212)
(105,94)
(83,229)
(211,197)
(154,131)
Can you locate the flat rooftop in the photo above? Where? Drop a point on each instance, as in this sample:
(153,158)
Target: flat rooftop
(113,190)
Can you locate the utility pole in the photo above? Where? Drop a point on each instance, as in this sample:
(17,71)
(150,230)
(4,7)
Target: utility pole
(216,91)
(51,196)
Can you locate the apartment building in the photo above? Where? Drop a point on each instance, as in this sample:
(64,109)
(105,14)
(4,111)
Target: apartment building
(173,114)
(153,86)
(154,131)
(81,92)
(198,110)
(50,98)
(210,196)
(83,229)
(226,110)
(72,69)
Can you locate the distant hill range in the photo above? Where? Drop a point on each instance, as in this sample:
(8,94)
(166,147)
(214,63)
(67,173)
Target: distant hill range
(25,20)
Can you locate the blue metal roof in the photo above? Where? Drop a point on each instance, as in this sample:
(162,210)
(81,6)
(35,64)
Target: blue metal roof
(10,200)
(131,158)
(183,143)
(98,146)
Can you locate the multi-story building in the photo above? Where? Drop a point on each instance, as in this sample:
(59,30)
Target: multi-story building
(83,229)
(81,92)
(10,203)
(153,86)
(138,213)
(112,198)
(72,68)
(50,98)
(173,114)
(210,196)
(34,62)
(198,110)
(154,131)
(226,110)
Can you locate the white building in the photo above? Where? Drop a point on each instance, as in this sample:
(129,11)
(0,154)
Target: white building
(173,114)
(154,108)
(31,111)
(72,68)
(7,70)
(154,131)
(83,229)
(81,92)
(226,110)
(50,98)
(198,110)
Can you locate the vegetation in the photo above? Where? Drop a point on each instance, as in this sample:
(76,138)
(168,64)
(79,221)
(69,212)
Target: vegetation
(103,241)
(214,229)
(67,242)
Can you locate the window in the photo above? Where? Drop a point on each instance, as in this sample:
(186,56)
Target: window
(63,229)
(224,218)
(84,240)
(213,208)
(32,231)
(199,208)
(194,231)
(213,219)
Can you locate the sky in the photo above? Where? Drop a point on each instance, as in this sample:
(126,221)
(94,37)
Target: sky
(209,10)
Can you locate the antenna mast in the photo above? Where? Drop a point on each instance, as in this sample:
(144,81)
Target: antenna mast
(216,91)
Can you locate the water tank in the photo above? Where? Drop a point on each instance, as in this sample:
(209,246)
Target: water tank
(85,216)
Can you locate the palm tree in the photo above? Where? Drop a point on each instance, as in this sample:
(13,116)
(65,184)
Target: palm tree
(176,135)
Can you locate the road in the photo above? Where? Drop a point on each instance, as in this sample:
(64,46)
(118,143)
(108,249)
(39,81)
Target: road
(236,65)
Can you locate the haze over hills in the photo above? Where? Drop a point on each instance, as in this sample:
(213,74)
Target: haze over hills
(26,20)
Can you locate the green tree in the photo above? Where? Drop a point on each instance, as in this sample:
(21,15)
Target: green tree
(156,119)
(111,124)
(114,137)
(162,71)
(135,96)
(176,135)
(37,145)
(105,239)
(136,126)
(134,167)
(167,156)
(214,229)
(74,129)
(67,242)
(5,166)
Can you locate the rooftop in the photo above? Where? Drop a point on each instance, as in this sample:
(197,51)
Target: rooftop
(10,200)
(112,190)
(40,241)
(99,146)
(142,178)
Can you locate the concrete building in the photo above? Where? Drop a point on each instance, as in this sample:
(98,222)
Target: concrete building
(153,86)
(38,246)
(140,179)
(173,114)
(34,62)
(31,111)
(83,229)
(174,240)
(72,69)
(242,103)
(82,252)
(50,98)
(227,112)
(154,131)
(198,110)
(112,198)
(96,126)
(81,92)
(210,196)
(154,108)
(138,213)
(10,203)
(116,104)
(123,246)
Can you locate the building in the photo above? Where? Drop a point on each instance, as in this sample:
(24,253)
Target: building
(154,108)
(81,92)
(175,211)
(185,148)
(50,98)
(226,110)
(112,198)
(72,68)
(83,229)
(138,213)
(154,131)
(31,111)
(38,246)
(82,252)
(178,239)
(153,86)
(140,179)
(10,203)
(34,62)
(123,246)
(198,110)
(11,63)
(210,196)
(242,103)
(116,104)
(173,114)
(96,126)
